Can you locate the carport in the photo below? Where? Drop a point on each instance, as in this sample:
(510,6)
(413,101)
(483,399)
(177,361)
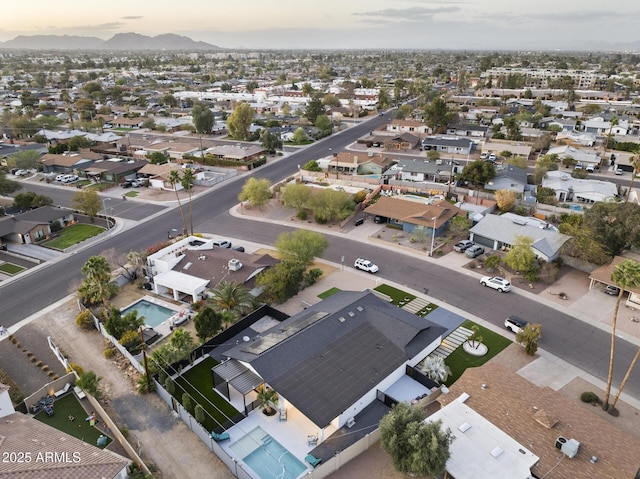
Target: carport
(179,283)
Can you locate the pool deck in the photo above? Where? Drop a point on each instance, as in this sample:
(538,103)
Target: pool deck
(164,328)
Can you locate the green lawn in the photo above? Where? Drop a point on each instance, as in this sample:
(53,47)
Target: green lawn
(10,268)
(198,382)
(459,360)
(131,194)
(68,405)
(397,295)
(73,235)
(328,293)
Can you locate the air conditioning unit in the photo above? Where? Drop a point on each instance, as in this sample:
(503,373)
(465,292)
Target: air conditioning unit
(234,265)
(569,447)
(351,422)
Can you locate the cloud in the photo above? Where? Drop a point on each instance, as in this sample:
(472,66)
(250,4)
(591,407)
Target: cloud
(132,17)
(412,14)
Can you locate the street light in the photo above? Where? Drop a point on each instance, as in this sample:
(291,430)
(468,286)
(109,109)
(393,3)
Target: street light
(433,235)
(104,205)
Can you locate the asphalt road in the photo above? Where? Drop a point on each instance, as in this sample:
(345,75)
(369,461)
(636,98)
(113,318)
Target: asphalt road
(570,339)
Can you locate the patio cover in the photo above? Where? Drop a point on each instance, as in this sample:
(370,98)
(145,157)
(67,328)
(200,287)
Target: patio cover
(184,283)
(240,377)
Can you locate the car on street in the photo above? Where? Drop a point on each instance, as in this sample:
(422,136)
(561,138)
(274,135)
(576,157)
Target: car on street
(496,282)
(463,245)
(222,243)
(612,290)
(474,251)
(515,324)
(365,265)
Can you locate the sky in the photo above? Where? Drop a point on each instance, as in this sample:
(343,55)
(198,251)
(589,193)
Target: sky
(340,24)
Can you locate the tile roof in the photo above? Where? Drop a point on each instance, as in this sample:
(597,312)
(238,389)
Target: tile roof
(513,404)
(69,458)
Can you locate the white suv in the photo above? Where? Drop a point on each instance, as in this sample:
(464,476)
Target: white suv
(365,265)
(496,282)
(515,324)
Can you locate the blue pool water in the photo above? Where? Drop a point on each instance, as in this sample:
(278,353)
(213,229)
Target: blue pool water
(153,313)
(576,207)
(267,457)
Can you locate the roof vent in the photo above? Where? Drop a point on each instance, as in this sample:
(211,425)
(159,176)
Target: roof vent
(360,308)
(341,319)
(464,427)
(351,314)
(496,451)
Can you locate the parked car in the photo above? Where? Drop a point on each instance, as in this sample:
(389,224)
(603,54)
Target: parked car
(484,155)
(590,168)
(125,184)
(379,219)
(493,157)
(222,243)
(365,265)
(474,251)
(60,177)
(462,246)
(619,171)
(579,166)
(515,324)
(239,248)
(496,282)
(69,179)
(137,183)
(21,173)
(612,290)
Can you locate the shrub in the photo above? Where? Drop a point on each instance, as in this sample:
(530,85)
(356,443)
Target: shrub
(29,354)
(85,320)
(33,359)
(18,345)
(590,397)
(39,364)
(187,403)
(302,215)
(75,367)
(45,368)
(199,414)
(108,353)
(50,373)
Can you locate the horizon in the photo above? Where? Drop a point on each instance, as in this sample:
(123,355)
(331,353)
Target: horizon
(356,25)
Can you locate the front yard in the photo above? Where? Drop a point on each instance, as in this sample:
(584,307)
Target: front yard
(73,235)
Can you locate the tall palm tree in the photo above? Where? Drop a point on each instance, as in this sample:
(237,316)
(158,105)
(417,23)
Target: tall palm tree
(98,278)
(612,406)
(188,178)
(233,297)
(174,178)
(636,169)
(625,275)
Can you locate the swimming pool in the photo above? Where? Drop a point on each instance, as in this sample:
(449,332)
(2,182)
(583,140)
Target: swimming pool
(267,457)
(154,314)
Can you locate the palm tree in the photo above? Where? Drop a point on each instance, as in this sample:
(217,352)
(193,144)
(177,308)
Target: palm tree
(612,406)
(231,296)
(636,169)
(267,397)
(188,178)
(98,278)
(625,275)
(174,178)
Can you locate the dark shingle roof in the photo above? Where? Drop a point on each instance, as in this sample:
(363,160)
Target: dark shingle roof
(333,359)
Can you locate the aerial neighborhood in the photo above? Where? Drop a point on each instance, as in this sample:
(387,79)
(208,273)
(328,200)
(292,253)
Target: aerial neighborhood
(268,264)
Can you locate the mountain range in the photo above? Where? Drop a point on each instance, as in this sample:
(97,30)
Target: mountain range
(119,42)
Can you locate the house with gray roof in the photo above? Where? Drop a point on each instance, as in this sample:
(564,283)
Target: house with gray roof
(569,189)
(335,358)
(468,129)
(446,144)
(582,156)
(419,169)
(499,233)
(34,225)
(509,178)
